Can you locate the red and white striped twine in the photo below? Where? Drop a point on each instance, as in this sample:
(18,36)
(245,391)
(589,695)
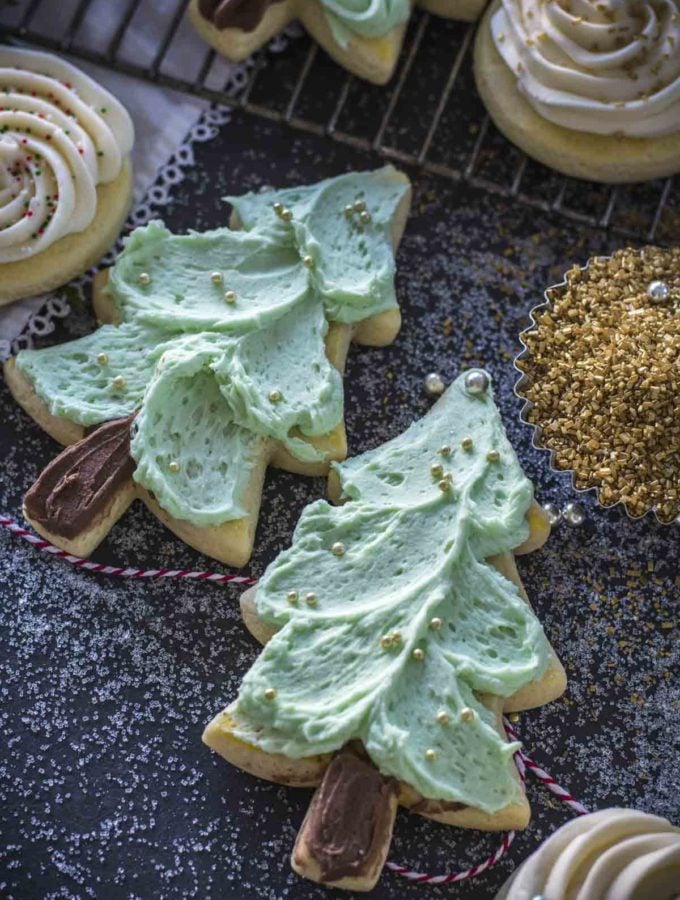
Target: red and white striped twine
(522,761)
(121,571)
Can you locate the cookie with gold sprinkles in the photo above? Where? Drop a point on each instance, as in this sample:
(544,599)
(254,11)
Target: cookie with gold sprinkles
(601,378)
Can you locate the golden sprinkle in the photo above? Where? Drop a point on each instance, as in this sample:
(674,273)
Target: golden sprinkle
(230,296)
(102,358)
(292,596)
(436,623)
(418,654)
(275,396)
(466,443)
(216,278)
(603,381)
(467,714)
(270,694)
(338,549)
(430,755)
(493,456)
(436,470)
(173,466)
(144,278)
(310,599)
(443,717)
(119,382)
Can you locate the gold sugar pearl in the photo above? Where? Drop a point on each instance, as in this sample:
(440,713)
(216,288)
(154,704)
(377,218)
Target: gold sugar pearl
(359,206)
(216,278)
(466,443)
(144,278)
(493,456)
(287,215)
(364,217)
(275,396)
(436,470)
(292,597)
(396,637)
(514,718)
(230,296)
(102,358)
(308,261)
(418,654)
(445,450)
(310,598)
(386,641)
(436,623)
(119,382)
(467,714)
(430,755)
(349,209)
(444,485)
(443,717)
(278,208)
(270,694)
(338,549)
(173,466)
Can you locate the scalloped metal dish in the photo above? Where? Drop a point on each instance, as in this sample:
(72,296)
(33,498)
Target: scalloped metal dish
(538,430)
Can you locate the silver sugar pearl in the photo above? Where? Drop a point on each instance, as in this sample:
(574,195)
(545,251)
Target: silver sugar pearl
(434,384)
(476,382)
(658,291)
(574,514)
(553,513)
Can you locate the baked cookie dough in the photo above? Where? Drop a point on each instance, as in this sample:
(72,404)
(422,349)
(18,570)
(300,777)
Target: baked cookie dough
(365,41)
(65,174)
(591,90)
(219,353)
(396,633)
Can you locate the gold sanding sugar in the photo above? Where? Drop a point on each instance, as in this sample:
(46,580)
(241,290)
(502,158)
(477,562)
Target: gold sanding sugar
(603,375)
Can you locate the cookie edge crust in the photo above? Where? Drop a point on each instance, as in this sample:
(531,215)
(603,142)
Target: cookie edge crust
(73,254)
(589,157)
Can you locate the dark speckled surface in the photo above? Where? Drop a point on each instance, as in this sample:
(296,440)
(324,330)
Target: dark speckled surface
(105,788)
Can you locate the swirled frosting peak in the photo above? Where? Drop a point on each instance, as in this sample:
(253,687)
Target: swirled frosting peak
(609,67)
(61,135)
(614,854)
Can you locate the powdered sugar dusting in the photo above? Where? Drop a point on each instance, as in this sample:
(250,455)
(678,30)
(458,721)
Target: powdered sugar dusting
(106,789)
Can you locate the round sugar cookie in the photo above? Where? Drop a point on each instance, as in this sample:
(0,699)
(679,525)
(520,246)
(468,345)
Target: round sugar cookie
(65,172)
(592,157)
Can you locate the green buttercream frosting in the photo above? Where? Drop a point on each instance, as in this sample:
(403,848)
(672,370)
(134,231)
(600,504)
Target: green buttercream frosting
(367,18)
(413,553)
(213,377)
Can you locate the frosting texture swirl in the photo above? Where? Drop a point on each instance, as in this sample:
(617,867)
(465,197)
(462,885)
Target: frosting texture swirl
(610,67)
(61,134)
(409,624)
(614,854)
(367,18)
(220,346)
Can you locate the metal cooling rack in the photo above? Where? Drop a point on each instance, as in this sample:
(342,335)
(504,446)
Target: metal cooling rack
(429,116)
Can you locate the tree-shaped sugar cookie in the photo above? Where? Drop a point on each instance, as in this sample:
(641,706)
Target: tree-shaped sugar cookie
(397,631)
(219,352)
(365,38)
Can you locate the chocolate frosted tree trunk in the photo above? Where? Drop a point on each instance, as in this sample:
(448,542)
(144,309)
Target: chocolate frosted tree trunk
(346,834)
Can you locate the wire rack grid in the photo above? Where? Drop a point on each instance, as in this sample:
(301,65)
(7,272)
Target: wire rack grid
(429,116)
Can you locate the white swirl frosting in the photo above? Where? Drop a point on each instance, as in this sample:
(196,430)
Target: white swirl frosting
(606,67)
(61,134)
(614,854)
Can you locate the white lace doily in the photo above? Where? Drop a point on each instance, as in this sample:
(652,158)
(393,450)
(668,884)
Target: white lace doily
(163,120)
